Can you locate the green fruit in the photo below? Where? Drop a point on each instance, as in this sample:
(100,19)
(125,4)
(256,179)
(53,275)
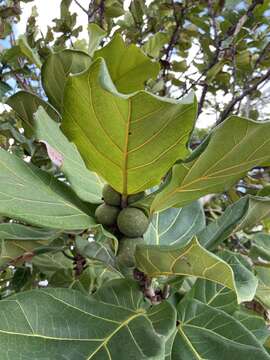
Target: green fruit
(132,222)
(106,214)
(110,196)
(135,197)
(126,252)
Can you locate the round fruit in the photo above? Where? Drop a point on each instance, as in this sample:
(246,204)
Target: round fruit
(127,247)
(132,222)
(110,196)
(135,197)
(107,214)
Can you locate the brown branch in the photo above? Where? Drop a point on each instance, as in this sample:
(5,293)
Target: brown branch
(217,42)
(260,57)
(96,11)
(172,43)
(229,108)
(234,29)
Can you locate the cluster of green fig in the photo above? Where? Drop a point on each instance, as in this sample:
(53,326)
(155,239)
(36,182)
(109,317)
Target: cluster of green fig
(131,222)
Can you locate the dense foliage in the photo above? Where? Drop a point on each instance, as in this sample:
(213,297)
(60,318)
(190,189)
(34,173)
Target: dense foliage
(125,232)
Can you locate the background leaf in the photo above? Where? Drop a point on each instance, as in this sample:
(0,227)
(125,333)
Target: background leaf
(244,213)
(55,72)
(128,66)
(16,239)
(87,185)
(25,104)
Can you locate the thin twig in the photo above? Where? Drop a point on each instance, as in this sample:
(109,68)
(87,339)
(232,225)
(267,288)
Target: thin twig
(245,92)
(81,7)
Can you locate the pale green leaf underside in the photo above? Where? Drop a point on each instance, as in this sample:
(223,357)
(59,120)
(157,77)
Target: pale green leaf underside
(63,324)
(87,185)
(175,226)
(128,66)
(215,295)
(235,146)
(131,141)
(31,195)
(254,323)
(190,260)
(55,72)
(206,333)
(95,34)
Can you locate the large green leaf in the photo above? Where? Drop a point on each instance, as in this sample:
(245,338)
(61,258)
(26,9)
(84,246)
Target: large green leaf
(25,105)
(205,332)
(128,66)
(131,141)
(175,226)
(33,196)
(193,260)
(68,325)
(215,295)
(87,185)
(56,70)
(254,323)
(222,298)
(235,146)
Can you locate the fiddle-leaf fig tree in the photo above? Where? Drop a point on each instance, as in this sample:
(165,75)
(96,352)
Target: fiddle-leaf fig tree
(108,250)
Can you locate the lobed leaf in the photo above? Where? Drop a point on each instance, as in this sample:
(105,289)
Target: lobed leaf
(68,325)
(193,260)
(131,141)
(235,146)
